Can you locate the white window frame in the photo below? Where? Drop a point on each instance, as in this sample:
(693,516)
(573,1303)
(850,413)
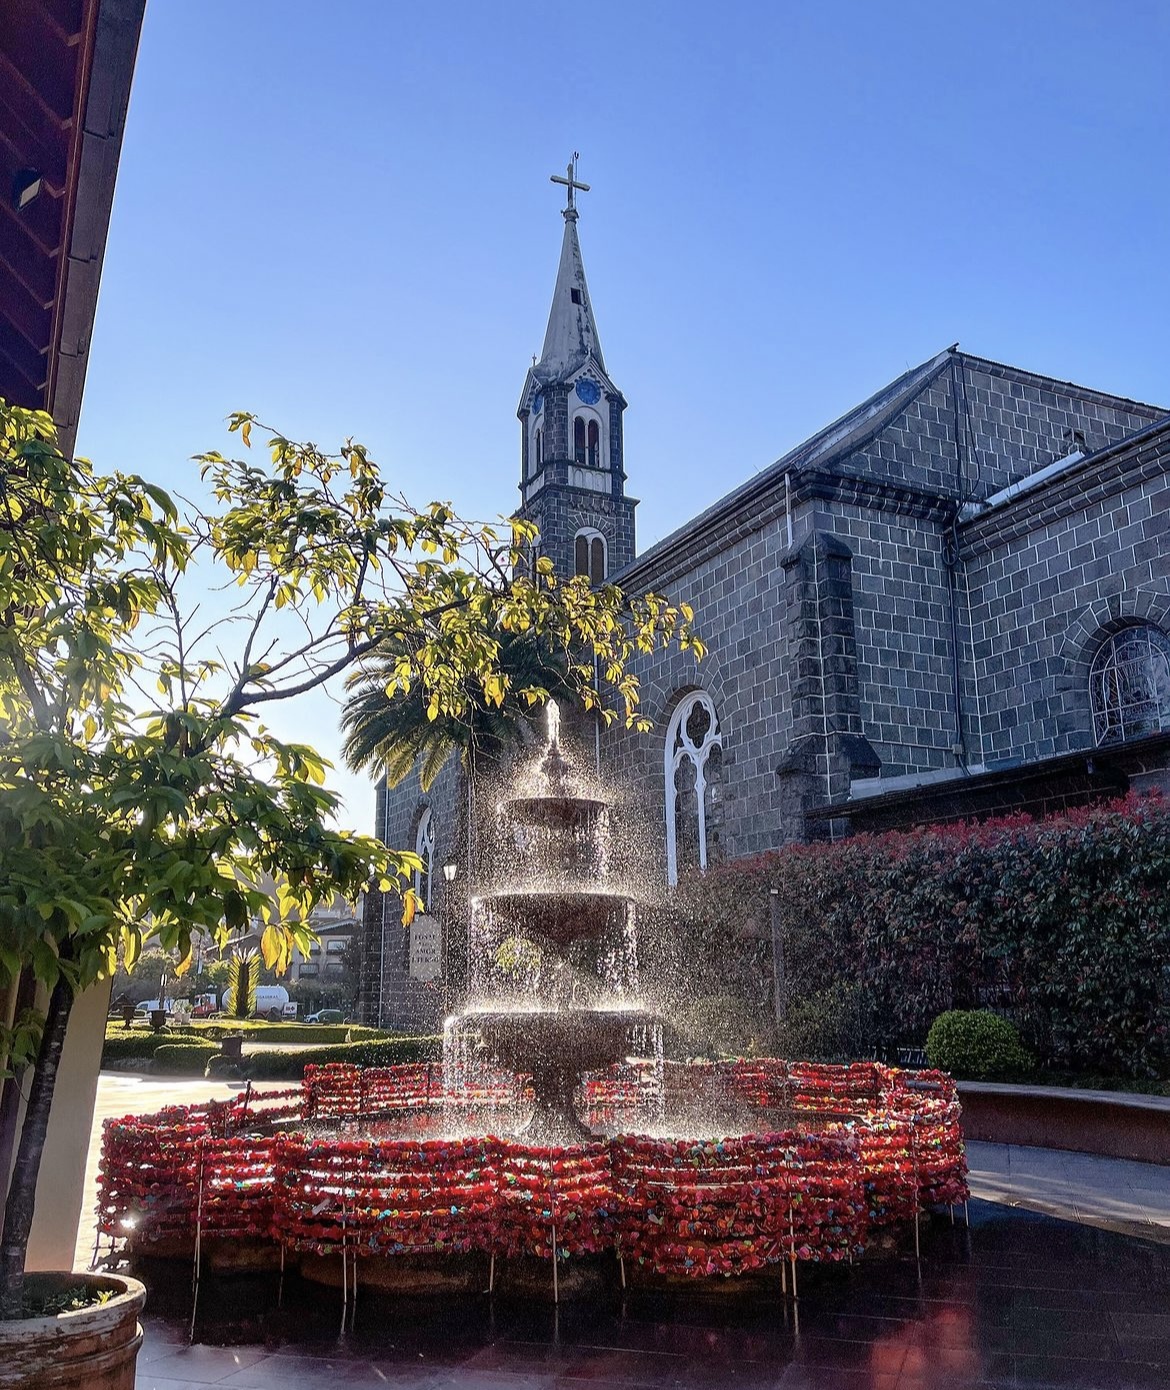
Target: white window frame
(673,759)
(590,534)
(589,415)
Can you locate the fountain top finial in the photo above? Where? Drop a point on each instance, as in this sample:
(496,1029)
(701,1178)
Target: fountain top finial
(554,722)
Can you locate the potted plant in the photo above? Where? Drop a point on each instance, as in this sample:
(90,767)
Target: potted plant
(119,821)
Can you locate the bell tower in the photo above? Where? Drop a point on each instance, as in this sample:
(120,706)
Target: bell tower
(572,468)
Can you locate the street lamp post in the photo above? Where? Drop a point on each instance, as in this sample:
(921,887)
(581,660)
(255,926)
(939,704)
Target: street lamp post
(450,871)
(779,982)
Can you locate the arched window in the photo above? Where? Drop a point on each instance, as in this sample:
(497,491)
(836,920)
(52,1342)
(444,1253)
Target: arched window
(694,766)
(590,556)
(538,450)
(586,441)
(424,847)
(1129,684)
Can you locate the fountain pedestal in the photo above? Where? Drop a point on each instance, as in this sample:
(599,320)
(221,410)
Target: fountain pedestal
(556,1048)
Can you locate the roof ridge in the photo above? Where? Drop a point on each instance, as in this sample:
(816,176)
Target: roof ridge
(875,411)
(1089,392)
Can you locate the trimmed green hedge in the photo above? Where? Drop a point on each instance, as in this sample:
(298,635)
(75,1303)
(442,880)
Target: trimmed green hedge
(286,1032)
(122,1045)
(1061,924)
(384,1053)
(183,1058)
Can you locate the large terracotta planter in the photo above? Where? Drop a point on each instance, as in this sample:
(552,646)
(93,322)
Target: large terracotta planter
(92,1349)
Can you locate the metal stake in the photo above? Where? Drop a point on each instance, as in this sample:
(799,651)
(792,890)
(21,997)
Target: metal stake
(198,1262)
(492,1274)
(556,1290)
(344,1277)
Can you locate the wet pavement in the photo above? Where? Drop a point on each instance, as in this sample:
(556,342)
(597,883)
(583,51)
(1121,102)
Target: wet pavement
(1022,1299)
(1018,1299)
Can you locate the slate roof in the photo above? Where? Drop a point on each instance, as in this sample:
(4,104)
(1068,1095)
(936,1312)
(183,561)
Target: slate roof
(833,444)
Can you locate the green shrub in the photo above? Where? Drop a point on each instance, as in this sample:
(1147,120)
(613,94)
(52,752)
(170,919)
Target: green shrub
(183,1058)
(1066,921)
(130,1044)
(384,1053)
(255,1031)
(975,1044)
(825,1026)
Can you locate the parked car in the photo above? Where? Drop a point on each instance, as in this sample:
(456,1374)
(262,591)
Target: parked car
(326,1016)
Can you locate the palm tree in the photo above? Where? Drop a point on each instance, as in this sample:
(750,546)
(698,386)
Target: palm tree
(391,734)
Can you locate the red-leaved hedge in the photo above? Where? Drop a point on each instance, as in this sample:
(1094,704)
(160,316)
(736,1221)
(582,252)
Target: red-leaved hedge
(1062,924)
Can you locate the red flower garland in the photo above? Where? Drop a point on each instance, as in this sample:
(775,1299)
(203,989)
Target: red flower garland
(890,1145)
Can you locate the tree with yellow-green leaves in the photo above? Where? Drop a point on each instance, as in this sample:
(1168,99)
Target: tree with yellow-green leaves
(141,793)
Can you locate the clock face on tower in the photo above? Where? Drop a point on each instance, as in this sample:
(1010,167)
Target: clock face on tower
(588,391)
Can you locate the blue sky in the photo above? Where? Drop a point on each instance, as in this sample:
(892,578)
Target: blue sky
(340,217)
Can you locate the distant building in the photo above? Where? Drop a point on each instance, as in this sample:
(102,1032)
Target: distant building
(952,602)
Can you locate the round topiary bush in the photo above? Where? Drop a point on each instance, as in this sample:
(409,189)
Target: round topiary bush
(183,1058)
(975,1044)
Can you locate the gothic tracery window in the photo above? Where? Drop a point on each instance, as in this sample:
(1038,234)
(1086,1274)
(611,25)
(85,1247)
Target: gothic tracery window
(694,763)
(593,445)
(1129,684)
(424,847)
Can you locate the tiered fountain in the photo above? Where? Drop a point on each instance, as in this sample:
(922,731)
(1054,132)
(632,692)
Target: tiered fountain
(553,888)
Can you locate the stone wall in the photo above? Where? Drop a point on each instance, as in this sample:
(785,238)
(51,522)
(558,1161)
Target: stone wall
(1050,576)
(387,995)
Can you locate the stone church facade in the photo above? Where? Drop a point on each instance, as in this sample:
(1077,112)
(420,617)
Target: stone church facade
(954,601)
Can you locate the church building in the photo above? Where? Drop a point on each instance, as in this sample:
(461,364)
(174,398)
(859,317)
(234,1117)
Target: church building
(952,602)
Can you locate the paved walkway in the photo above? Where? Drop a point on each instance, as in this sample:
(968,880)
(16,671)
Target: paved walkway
(1019,1299)
(1114,1194)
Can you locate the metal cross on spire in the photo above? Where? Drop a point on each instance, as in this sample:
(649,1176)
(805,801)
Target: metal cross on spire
(572,182)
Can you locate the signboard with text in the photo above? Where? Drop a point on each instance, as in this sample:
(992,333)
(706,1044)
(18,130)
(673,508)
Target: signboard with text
(426,948)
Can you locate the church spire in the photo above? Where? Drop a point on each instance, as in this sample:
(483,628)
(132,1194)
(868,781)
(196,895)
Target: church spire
(571,336)
(572,473)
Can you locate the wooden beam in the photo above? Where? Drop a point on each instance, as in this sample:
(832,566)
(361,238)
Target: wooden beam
(32,365)
(35,271)
(32,321)
(46,63)
(37,138)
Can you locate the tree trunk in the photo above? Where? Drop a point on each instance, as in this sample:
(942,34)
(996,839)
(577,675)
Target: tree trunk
(22,1191)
